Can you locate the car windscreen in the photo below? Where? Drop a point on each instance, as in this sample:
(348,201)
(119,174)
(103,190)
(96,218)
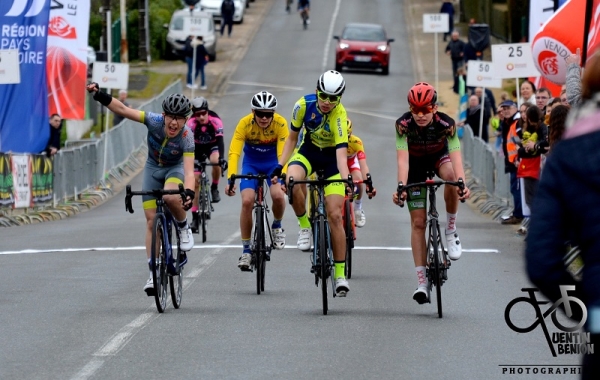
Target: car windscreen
(363,34)
(177,24)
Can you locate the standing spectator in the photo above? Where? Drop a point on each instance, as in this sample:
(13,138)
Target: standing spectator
(227,11)
(196,45)
(566,208)
(117,119)
(448,7)
(527,92)
(556,128)
(474,118)
(573,78)
(511,118)
(456,50)
(53,145)
(542,97)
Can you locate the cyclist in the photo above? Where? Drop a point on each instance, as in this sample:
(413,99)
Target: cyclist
(357,165)
(208,139)
(261,135)
(426,140)
(170,162)
(304,8)
(324,146)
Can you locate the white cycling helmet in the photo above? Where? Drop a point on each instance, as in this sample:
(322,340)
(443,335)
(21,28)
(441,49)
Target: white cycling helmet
(264,100)
(332,83)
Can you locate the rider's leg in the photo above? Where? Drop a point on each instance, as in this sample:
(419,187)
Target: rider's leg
(216,170)
(248,195)
(277,231)
(446,172)
(418,222)
(197,190)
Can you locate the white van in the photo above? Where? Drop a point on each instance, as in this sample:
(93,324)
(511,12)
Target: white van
(176,37)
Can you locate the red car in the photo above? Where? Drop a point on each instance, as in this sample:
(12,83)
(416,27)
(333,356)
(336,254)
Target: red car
(363,46)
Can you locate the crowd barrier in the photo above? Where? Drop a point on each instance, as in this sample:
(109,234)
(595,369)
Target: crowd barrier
(83,172)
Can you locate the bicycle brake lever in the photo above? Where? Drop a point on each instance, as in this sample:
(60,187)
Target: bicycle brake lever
(399,190)
(291,190)
(128,205)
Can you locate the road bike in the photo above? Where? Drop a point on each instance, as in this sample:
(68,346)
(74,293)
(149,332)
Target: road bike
(438,261)
(322,252)
(164,259)
(349,223)
(205,206)
(260,250)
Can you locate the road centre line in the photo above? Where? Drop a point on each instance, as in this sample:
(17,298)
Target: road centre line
(127,332)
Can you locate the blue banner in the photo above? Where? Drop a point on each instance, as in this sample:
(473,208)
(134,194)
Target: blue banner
(24,119)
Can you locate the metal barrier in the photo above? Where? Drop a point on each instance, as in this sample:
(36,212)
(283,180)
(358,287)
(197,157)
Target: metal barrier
(490,186)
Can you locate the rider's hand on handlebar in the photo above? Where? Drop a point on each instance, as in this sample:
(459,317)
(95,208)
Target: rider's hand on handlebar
(230,189)
(190,194)
(276,173)
(466,193)
(399,202)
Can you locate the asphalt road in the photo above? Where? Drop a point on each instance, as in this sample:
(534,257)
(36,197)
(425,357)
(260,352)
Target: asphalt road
(72,300)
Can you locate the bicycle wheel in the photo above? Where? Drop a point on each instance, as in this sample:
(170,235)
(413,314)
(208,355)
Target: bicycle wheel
(324,261)
(259,244)
(176,278)
(158,262)
(204,210)
(349,237)
(437,270)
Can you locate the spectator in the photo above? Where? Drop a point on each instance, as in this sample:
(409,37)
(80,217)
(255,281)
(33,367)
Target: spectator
(474,118)
(553,102)
(56,125)
(556,128)
(573,79)
(490,100)
(566,209)
(117,119)
(196,45)
(227,11)
(527,92)
(504,96)
(511,118)
(542,97)
(455,49)
(563,96)
(448,7)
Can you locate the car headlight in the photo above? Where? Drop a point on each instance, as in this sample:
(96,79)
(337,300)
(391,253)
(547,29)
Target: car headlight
(344,45)
(382,47)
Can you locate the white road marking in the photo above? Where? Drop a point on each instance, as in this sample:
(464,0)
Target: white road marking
(209,259)
(266,85)
(127,332)
(371,114)
(330,35)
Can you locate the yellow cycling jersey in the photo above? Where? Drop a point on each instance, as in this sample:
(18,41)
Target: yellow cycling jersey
(356,147)
(322,130)
(257,143)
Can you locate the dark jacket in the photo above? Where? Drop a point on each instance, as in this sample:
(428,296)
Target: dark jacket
(566,208)
(447,7)
(473,118)
(201,52)
(456,49)
(54,140)
(227,10)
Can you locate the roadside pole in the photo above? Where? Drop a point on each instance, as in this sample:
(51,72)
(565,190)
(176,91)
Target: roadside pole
(436,23)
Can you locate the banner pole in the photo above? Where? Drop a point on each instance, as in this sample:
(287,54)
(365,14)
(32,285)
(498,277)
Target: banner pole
(482,108)
(109,60)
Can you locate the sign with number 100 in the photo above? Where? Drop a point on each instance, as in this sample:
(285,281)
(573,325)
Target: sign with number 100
(193,26)
(514,61)
(436,23)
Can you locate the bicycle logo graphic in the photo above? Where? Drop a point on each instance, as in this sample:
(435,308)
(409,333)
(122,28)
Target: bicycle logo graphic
(568,342)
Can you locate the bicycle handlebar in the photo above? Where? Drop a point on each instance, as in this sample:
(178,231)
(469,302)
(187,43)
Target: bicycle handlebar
(368,182)
(201,165)
(429,183)
(158,193)
(260,177)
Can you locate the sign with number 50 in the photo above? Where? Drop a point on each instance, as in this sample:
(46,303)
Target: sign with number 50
(513,61)
(481,74)
(111,75)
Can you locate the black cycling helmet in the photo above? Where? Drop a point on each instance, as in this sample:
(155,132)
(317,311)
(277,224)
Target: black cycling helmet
(199,104)
(177,104)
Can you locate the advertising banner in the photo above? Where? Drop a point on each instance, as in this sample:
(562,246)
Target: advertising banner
(21,180)
(6,181)
(67,57)
(41,178)
(24,115)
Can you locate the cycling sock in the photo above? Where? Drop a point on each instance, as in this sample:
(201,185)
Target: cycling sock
(422,279)
(303,220)
(214,185)
(246,245)
(358,204)
(195,209)
(450,223)
(181,224)
(340,269)
(276,223)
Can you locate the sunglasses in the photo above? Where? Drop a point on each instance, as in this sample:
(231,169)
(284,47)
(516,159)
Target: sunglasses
(421,110)
(263,114)
(179,119)
(326,97)
(200,113)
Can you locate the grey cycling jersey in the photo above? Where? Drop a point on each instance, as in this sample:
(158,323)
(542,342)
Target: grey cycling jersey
(162,150)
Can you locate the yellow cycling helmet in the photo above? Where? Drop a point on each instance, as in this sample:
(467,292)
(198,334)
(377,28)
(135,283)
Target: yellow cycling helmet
(349,129)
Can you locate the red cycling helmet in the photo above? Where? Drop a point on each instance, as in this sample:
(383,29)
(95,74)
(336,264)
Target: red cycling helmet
(422,94)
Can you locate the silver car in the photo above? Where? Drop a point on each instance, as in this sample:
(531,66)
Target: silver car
(176,36)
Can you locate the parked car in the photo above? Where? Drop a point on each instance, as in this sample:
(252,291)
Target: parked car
(214,7)
(364,46)
(176,36)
